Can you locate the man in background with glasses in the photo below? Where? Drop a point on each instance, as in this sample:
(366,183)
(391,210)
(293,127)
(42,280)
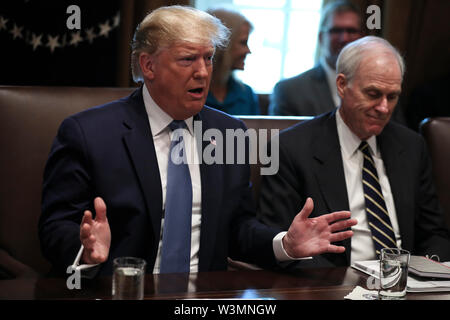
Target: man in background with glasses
(314,91)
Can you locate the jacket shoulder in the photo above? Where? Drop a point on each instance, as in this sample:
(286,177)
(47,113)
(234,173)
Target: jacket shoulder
(220,119)
(302,78)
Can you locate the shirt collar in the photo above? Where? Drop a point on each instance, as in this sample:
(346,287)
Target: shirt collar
(349,141)
(158,118)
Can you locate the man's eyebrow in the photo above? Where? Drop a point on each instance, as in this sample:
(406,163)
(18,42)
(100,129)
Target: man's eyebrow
(371,88)
(194,52)
(186,52)
(374,88)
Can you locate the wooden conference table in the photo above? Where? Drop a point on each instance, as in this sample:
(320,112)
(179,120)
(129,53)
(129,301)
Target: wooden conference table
(307,284)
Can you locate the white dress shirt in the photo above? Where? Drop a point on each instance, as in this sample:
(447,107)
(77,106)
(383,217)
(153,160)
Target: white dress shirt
(161,133)
(159,121)
(362,243)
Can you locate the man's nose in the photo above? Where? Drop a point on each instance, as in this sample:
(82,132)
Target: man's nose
(201,69)
(383,106)
(345,37)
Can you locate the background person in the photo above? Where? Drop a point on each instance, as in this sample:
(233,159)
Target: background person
(227,93)
(314,91)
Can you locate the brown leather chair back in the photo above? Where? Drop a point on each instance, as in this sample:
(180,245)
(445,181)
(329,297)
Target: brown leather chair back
(264,101)
(436,132)
(271,123)
(30,119)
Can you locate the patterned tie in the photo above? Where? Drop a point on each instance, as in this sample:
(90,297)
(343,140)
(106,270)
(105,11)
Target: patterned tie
(176,241)
(379,222)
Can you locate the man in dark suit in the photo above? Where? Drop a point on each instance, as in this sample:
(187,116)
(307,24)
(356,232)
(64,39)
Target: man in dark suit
(314,91)
(355,159)
(109,181)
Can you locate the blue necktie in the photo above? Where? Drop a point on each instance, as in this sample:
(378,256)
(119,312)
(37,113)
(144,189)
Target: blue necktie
(377,214)
(176,241)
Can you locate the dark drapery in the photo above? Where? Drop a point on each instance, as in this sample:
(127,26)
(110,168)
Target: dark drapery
(39,49)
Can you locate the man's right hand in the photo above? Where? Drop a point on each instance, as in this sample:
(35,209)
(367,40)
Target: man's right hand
(95,234)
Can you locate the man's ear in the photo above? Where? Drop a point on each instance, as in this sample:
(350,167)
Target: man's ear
(341,83)
(146,62)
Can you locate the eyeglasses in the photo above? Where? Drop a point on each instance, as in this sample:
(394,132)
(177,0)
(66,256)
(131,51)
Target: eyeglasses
(337,30)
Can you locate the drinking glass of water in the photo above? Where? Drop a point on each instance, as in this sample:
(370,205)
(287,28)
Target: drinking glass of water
(393,273)
(128,278)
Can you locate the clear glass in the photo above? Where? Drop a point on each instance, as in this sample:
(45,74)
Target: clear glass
(128,278)
(393,273)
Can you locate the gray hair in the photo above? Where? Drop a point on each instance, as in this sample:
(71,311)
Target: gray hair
(351,55)
(233,20)
(166,26)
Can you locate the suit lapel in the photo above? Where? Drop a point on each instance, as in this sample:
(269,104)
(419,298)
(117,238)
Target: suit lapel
(139,143)
(329,169)
(212,191)
(393,155)
(145,162)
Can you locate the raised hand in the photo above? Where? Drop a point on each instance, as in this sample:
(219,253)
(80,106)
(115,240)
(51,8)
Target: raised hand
(313,236)
(95,234)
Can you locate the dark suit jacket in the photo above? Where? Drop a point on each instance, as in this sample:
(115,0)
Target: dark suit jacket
(108,151)
(311,166)
(307,94)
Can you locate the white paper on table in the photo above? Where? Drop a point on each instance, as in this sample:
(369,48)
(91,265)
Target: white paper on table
(372,267)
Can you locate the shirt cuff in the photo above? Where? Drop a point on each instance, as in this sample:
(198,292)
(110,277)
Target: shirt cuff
(76,264)
(278,249)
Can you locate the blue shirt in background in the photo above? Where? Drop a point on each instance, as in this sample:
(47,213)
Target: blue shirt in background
(240,99)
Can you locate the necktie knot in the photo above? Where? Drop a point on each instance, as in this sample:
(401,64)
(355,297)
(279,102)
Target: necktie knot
(364,148)
(177,124)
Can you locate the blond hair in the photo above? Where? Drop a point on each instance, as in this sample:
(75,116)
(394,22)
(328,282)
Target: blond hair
(166,26)
(223,61)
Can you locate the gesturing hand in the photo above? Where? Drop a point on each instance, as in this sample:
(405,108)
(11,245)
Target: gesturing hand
(95,234)
(313,236)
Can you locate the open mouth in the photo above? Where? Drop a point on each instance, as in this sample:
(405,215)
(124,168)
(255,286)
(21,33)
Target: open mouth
(196,91)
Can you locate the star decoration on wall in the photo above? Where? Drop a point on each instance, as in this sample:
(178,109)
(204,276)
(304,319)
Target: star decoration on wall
(105,28)
(36,39)
(16,32)
(52,43)
(76,38)
(90,34)
(3,22)
(116,20)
